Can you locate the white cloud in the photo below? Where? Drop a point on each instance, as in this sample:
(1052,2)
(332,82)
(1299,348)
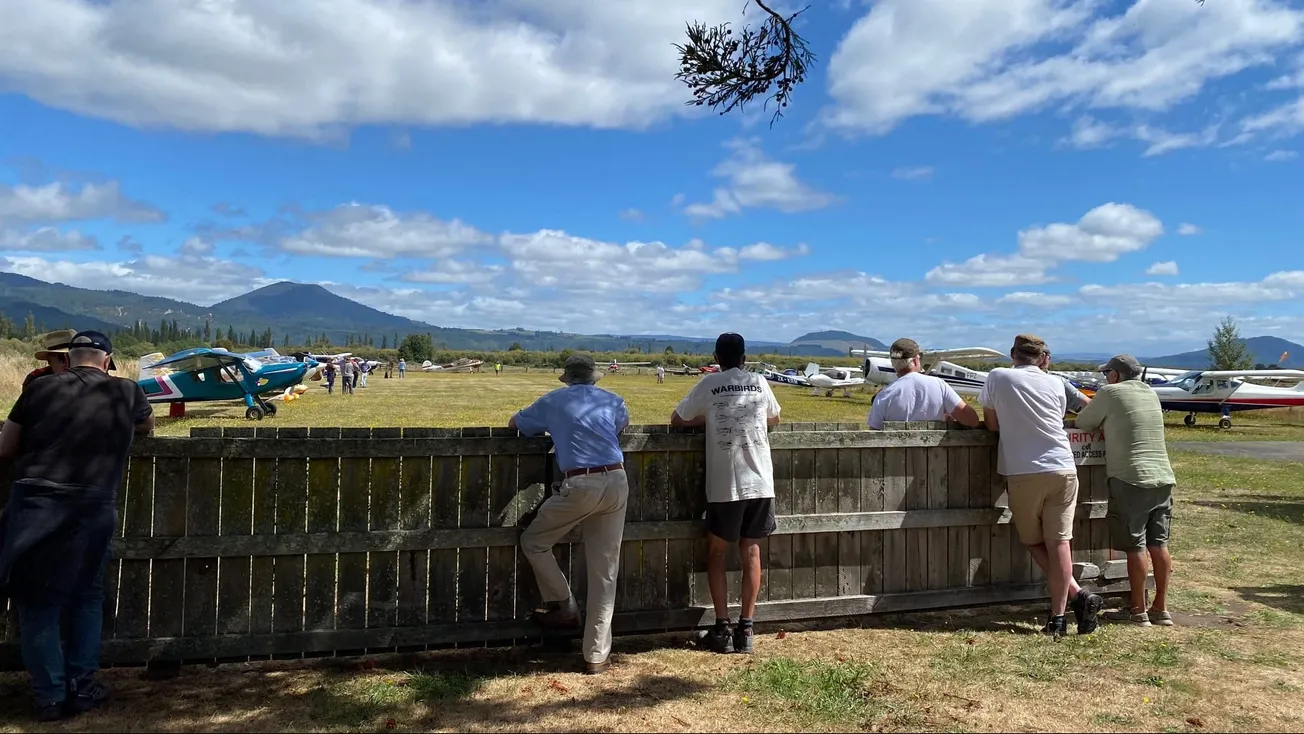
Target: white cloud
(196,247)
(312,67)
(453,272)
(1035,300)
(46,239)
(632,215)
(1277,156)
(1090,133)
(1087,133)
(1101,235)
(758,182)
(917,173)
(1168,267)
(987,60)
(56,202)
(1187,230)
(364,230)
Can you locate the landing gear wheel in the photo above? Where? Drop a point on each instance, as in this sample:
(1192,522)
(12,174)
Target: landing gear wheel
(1189,419)
(269,409)
(254,413)
(1225,422)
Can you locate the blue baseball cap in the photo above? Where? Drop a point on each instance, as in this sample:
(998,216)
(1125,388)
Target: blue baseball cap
(93,340)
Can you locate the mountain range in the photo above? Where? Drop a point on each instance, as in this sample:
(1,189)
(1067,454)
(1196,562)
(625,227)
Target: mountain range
(302,311)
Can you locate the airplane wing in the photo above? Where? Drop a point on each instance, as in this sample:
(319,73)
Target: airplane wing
(1278,374)
(944,354)
(200,358)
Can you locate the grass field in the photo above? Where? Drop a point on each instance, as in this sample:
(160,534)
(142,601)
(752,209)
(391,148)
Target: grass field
(1233,663)
(470,399)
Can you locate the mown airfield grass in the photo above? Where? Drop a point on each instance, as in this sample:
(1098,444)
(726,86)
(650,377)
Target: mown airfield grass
(1233,663)
(432,399)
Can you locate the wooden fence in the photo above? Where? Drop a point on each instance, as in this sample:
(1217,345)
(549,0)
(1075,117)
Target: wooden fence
(249,543)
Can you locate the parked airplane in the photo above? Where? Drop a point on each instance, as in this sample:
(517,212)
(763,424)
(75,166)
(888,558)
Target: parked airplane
(617,366)
(203,374)
(879,370)
(833,378)
(461,365)
(1227,391)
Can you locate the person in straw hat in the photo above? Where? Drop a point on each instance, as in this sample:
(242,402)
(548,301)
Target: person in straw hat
(585,422)
(55,354)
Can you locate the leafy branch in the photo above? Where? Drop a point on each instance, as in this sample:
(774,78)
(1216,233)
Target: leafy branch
(728,70)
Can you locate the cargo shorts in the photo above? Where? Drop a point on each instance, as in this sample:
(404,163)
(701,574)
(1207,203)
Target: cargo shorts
(1139,517)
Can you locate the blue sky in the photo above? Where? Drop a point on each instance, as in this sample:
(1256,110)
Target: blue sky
(1110,175)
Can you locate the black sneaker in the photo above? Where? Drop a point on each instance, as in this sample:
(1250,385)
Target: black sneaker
(56,711)
(718,639)
(1056,628)
(743,640)
(88,695)
(1086,608)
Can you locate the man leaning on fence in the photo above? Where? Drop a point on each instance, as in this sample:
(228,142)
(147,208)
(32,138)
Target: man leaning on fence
(70,433)
(1027,405)
(585,422)
(1141,482)
(737,408)
(915,396)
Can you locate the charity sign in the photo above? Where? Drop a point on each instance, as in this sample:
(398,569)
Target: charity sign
(1088,446)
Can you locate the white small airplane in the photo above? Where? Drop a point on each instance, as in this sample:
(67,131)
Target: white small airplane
(616,366)
(461,365)
(832,378)
(1227,391)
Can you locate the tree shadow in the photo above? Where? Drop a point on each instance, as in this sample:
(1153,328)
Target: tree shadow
(417,691)
(1285,597)
(1286,511)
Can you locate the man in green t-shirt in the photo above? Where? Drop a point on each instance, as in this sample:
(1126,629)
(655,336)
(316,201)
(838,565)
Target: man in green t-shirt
(1140,481)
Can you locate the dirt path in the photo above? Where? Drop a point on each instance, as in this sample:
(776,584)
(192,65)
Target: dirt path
(1268,450)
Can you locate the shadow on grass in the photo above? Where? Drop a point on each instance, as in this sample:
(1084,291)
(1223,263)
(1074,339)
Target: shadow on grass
(1285,597)
(1286,511)
(419,691)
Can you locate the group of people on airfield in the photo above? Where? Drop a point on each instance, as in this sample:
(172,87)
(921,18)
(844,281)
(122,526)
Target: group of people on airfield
(71,429)
(1024,403)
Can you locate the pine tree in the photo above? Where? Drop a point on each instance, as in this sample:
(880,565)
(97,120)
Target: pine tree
(29,326)
(1227,351)
(208,331)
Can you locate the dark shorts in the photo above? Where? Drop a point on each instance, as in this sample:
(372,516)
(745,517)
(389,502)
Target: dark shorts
(731,521)
(1139,517)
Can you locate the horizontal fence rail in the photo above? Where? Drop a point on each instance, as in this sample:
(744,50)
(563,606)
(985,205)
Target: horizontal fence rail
(249,543)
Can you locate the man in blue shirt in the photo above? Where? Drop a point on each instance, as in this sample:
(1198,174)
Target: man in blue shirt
(585,422)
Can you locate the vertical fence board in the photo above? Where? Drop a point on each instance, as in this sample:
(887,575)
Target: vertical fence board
(916,538)
(132,615)
(849,481)
(473,512)
(1001,535)
(873,488)
(669,474)
(656,553)
(323,516)
(531,469)
(1097,490)
(980,496)
(289,596)
(203,513)
(779,567)
(445,498)
(168,577)
(385,509)
(939,479)
(234,604)
(354,516)
(629,578)
(895,542)
(957,539)
(262,569)
(804,492)
(501,589)
(826,501)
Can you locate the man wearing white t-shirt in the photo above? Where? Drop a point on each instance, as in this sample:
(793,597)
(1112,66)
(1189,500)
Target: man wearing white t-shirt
(1027,405)
(738,408)
(914,396)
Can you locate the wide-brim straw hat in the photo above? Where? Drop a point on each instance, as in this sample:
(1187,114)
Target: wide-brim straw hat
(56,342)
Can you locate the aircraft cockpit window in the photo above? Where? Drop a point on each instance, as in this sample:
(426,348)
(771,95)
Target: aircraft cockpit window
(1224,385)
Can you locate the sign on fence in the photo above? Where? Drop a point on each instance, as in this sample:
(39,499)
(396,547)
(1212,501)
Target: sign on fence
(1088,446)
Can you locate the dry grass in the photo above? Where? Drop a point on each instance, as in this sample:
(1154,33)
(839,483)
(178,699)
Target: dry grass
(1233,663)
(445,400)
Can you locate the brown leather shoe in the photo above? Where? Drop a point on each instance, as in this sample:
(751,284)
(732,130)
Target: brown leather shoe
(596,668)
(557,615)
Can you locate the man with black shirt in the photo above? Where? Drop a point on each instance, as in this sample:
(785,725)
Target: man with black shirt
(70,433)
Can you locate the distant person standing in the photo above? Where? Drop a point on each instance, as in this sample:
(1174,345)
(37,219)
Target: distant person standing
(70,433)
(585,422)
(498,369)
(402,367)
(348,372)
(1141,482)
(737,408)
(1027,405)
(364,368)
(329,371)
(661,374)
(914,396)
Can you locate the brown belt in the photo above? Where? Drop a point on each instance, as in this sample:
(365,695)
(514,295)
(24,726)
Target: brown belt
(594,470)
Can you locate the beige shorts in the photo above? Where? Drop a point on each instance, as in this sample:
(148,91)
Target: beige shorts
(1043,505)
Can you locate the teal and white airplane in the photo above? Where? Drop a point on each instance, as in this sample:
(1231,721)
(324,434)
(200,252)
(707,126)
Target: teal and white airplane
(206,374)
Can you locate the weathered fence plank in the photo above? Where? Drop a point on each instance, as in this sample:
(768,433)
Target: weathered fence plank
(257,542)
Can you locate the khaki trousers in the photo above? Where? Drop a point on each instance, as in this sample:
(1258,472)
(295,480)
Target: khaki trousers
(595,502)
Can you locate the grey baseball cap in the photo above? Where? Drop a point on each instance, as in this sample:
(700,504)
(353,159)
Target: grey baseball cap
(1125,365)
(579,369)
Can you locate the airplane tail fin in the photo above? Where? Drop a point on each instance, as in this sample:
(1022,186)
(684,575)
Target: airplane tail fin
(811,369)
